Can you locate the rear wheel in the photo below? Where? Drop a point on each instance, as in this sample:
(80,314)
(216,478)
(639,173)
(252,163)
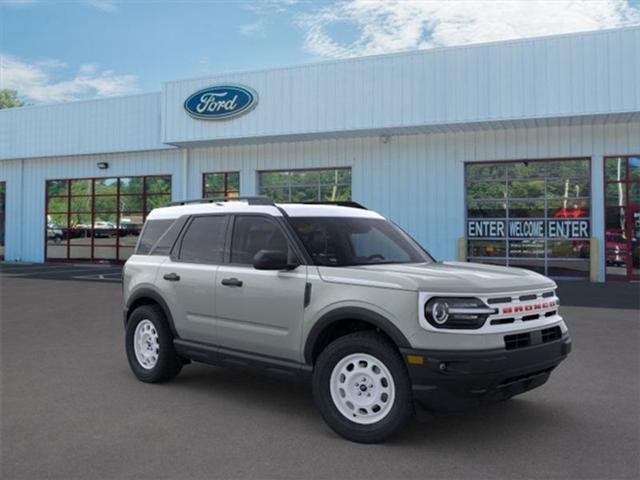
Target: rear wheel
(362,388)
(149,345)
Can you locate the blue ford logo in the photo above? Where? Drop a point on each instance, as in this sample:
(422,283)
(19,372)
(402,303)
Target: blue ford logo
(221,102)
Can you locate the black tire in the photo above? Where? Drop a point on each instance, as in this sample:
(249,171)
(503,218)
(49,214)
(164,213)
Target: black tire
(168,364)
(380,347)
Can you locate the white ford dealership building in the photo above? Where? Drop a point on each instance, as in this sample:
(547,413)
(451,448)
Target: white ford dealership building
(522,153)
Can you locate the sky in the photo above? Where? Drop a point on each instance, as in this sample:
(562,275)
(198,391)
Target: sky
(57,51)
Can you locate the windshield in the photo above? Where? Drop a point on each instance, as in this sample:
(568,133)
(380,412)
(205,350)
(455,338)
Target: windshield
(344,241)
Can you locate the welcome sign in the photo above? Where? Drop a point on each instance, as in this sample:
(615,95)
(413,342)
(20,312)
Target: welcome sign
(221,102)
(569,229)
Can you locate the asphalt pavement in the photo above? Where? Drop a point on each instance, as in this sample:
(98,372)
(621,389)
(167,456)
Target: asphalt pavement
(72,409)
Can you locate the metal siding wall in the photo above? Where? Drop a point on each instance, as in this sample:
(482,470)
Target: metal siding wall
(578,74)
(26,205)
(110,125)
(418,180)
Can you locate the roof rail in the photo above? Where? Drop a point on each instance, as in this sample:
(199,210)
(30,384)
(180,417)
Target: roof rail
(339,203)
(250,201)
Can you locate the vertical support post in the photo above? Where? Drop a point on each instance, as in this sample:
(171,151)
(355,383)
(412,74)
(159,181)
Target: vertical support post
(594,259)
(462,249)
(184,185)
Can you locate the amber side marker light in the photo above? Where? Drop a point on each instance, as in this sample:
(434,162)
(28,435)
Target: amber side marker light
(415,359)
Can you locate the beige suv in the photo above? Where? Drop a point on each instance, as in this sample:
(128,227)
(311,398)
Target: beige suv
(340,296)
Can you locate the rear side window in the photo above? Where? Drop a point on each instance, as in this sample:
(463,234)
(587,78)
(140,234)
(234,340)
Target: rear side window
(203,242)
(152,231)
(168,238)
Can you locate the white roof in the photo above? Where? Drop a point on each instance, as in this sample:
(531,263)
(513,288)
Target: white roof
(292,209)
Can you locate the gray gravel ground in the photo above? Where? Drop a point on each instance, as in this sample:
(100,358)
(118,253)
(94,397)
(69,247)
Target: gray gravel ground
(71,408)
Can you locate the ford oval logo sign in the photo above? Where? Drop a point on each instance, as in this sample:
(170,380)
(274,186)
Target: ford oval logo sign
(221,102)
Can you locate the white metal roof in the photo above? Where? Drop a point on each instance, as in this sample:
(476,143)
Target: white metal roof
(292,209)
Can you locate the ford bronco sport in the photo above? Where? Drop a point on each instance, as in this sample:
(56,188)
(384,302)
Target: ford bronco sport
(340,296)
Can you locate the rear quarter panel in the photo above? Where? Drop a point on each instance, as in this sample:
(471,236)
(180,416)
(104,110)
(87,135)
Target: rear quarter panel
(139,272)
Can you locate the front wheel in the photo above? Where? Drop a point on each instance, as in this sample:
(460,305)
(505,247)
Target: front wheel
(362,388)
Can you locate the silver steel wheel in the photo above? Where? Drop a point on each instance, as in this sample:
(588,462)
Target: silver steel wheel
(362,388)
(145,344)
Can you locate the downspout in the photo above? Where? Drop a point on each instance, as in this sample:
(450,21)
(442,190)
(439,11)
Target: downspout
(185,175)
(23,223)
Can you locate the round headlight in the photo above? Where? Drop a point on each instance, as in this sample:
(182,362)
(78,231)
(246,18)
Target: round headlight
(439,312)
(457,312)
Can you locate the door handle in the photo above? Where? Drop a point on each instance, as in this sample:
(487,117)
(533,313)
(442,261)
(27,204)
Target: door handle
(231,282)
(172,277)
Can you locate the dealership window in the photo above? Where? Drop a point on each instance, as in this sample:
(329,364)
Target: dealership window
(99,219)
(220,184)
(622,217)
(329,185)
(3,188)
(530,214)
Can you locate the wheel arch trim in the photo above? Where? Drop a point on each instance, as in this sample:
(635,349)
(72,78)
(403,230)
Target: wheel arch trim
(151,294)
(352,313)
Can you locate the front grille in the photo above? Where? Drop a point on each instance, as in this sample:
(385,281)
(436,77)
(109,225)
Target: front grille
(517,340)
(499,300)
(551,313)
(547,294)
(526,298)
(535,316)
(551,334)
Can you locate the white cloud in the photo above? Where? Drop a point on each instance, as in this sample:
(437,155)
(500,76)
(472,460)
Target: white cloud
(35,81)
(252,29)
(88,69)
(262,7)
(108,6)
(394,25)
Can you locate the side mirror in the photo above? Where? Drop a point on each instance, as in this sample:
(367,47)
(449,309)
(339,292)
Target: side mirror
(272,260)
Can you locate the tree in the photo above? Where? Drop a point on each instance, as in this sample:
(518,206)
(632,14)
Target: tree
(9,99)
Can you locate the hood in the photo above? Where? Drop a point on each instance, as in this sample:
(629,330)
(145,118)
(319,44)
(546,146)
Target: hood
(440,277)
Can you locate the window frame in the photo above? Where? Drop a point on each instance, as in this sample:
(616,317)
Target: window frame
(506,179)
(91,212)
(176,250)
(627,207)
(226,191)
(289,185)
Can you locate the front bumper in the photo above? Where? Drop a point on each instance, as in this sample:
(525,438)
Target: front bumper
(452,380)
